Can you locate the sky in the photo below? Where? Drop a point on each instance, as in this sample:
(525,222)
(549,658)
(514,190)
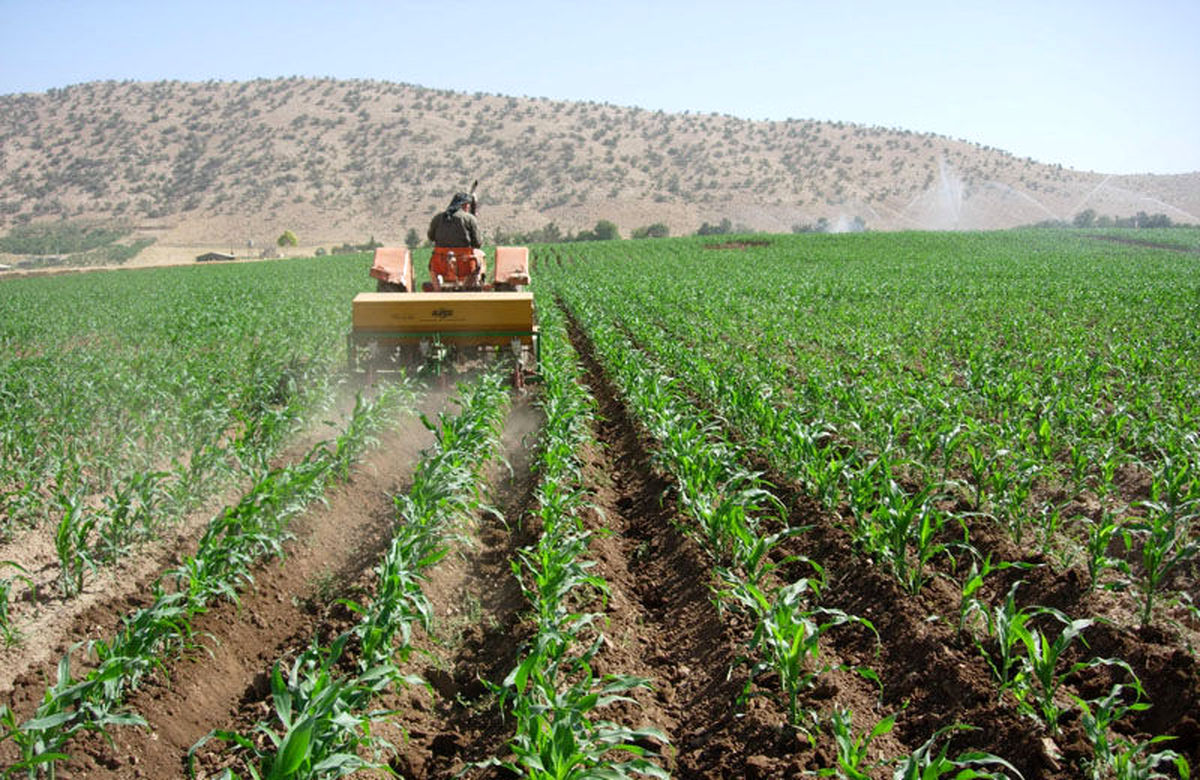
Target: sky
(1111,86)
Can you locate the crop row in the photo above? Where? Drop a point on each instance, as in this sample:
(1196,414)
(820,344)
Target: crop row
(881,446)
(1072,442)
(129,399)
(552,692)
(732,513)
(322,721)
(236,539)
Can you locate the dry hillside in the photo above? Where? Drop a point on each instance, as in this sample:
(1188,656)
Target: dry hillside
(220,165)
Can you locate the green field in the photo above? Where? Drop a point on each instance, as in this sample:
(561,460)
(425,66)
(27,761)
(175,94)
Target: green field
(928,480)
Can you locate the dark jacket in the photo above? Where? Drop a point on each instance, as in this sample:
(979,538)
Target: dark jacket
(460,228)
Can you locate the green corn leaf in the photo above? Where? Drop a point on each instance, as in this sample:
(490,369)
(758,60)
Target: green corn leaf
(294,751)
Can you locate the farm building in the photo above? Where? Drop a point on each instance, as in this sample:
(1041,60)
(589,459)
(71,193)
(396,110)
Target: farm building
(211,256)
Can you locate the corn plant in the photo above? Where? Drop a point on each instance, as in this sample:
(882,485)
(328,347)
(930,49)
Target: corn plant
(968,604)
(68,707)
(925,764)
(902,522)
(1042,664)
(1100,537)
(10,632)
(786,636)
(1121,757)
(558,737)
(1167,543)
(852,763)
(1005,627)
(1137,761)
(129,514)
(321,727)
(71,542)
(753,561)
(823,462)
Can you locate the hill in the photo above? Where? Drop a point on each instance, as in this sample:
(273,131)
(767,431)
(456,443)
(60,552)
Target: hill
(230,165)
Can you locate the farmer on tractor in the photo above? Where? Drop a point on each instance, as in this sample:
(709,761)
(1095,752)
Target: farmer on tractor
(457,262)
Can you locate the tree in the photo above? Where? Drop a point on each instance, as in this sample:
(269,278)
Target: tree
(723,228)
(606,231)
(1085,218)
(288,238)
(657,230)
(412,239)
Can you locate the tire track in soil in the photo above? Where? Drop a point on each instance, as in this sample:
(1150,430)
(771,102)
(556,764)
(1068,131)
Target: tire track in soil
(333,546)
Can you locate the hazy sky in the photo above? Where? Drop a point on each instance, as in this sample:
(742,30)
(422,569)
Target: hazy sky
(1107,85)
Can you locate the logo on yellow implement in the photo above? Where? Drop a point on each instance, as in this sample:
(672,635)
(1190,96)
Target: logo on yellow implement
(442,313)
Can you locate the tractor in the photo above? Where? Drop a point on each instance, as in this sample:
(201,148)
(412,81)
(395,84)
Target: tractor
(456,318)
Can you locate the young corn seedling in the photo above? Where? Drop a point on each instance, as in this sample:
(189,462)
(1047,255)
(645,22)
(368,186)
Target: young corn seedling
(852,763)
(1081,464)
(981,467)
(1041,677)
(902,521)
(968,604)
(129,514)
(557,736)
(924,764)
(786,637)
(10,632)
(68,707)
(71,544)
(751,554)
(1100,538)
(1136,761)
(735,513)
(1004,626)
(823,468)
(553,571)
(1167,543)
(320,726)
(1121,757)
(399,601)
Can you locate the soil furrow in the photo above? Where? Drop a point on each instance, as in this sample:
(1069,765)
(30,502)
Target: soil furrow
(479,627)
(940,678)
(689,650)
(56,623)
(333,546)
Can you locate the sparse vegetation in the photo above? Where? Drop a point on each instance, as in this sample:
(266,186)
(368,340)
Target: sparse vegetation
(657,230)
(275,150)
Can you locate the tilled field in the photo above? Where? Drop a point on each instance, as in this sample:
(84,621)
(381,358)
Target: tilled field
(661,624)
(667,613)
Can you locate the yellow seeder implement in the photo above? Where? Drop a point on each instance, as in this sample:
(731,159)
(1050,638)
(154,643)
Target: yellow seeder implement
(394,331)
